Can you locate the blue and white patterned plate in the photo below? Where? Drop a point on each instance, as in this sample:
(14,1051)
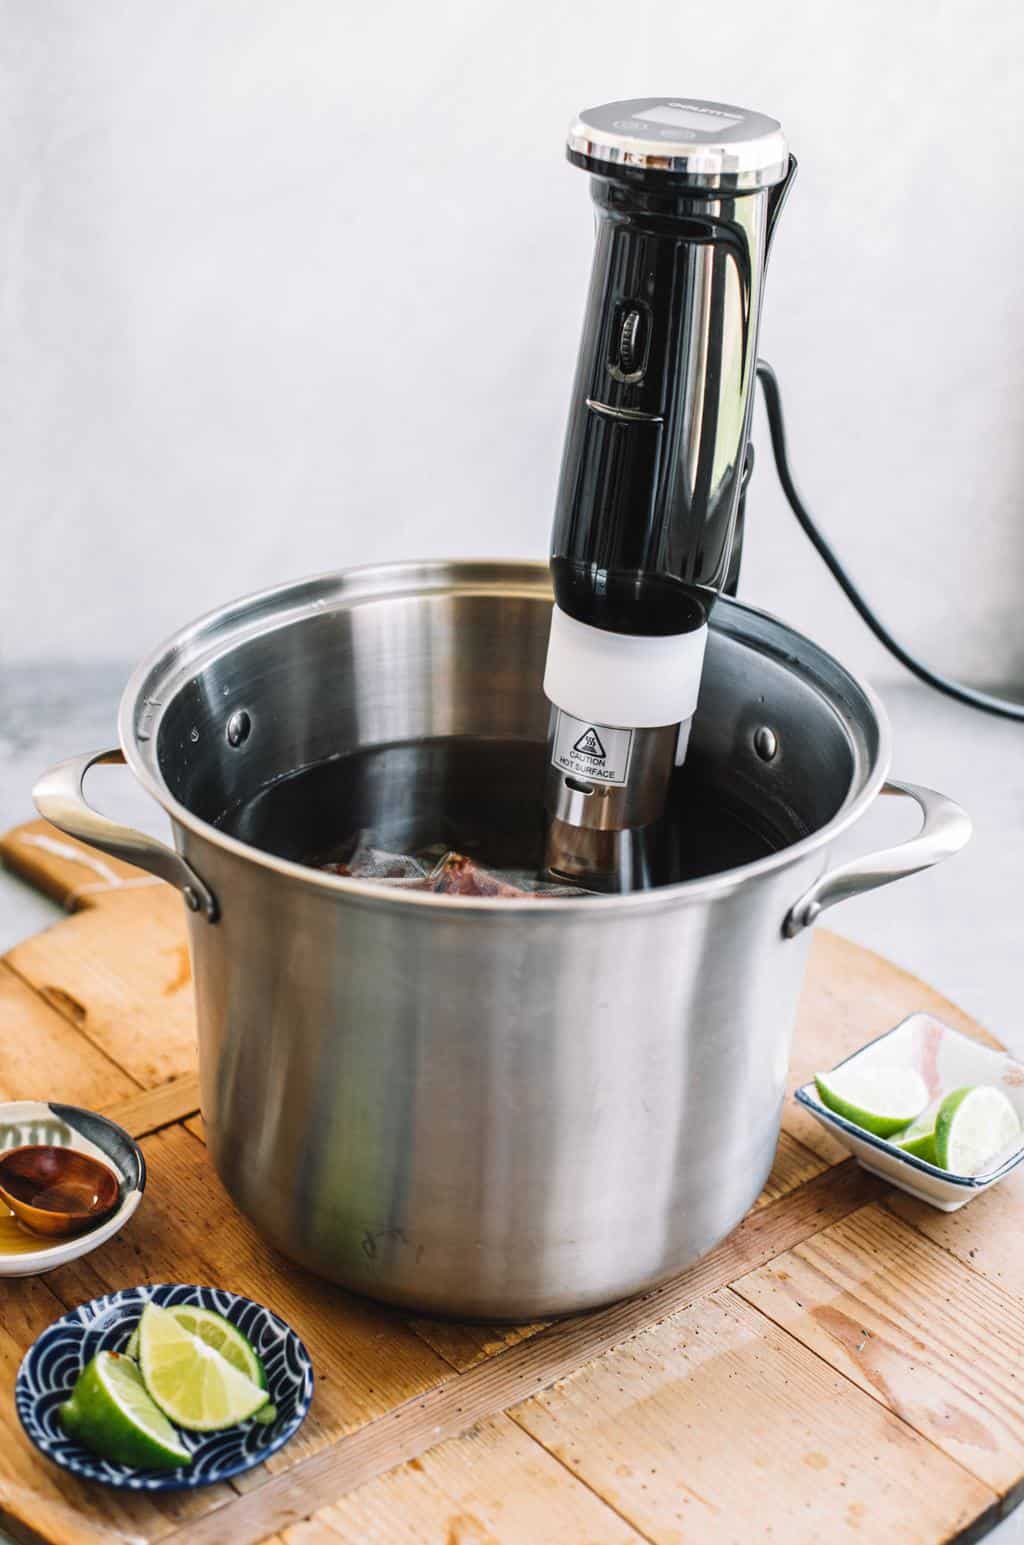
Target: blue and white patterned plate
(54,1361)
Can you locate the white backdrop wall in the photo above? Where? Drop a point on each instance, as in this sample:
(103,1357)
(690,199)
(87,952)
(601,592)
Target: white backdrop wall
(295,285)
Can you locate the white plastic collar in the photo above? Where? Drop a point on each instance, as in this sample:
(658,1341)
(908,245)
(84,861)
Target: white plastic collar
(622,678)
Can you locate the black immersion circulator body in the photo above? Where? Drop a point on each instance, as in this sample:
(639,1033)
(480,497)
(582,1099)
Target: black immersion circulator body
(656,445)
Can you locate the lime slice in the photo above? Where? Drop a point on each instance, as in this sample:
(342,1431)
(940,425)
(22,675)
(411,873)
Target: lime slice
(973,1126)
(882,1100)
(110,1412)
(226,1339)
(194,1385)
(220,1334)
(919,1138)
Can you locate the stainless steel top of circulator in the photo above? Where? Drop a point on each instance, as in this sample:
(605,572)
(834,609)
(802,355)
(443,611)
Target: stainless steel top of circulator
(708,144)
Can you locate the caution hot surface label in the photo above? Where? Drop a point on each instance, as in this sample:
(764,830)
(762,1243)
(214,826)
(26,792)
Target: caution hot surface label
(596,752)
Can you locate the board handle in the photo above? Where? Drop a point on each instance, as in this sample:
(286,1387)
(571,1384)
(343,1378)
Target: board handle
(944,831)
(60,799)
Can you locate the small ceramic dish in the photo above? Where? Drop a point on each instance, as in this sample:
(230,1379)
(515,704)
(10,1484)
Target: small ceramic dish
(946,1060)
(23,1122)
(54,1361)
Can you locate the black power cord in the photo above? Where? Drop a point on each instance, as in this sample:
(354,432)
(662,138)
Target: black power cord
(955,689)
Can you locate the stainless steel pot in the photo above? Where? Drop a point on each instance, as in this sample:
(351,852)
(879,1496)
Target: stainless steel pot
(490,1108)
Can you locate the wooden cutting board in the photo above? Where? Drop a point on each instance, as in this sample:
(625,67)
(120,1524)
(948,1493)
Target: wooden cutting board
(847,1365)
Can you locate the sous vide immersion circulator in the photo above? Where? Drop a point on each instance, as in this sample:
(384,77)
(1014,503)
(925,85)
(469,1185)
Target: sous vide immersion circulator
(686,194)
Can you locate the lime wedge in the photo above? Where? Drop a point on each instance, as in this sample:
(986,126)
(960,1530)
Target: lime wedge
(220,1334)
(882,1100)
(226,1339)
(973,1125)
(110,1412)
(194,1385)
(919,1138)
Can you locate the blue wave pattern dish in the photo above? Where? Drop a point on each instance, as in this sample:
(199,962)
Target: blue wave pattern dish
(54,1361)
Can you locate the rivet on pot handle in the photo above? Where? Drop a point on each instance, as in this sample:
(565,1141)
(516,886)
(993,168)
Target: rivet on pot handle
(59,798)
(945,830)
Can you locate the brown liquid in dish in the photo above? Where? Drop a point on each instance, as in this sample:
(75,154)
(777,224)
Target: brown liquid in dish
(16,1240)
(56,1191)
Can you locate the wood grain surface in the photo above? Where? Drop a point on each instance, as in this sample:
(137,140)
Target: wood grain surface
(928,1337)
(848,1363)
(492,1483)
(664,1426)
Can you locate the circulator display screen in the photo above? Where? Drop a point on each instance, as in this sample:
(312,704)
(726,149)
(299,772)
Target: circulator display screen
(682,117)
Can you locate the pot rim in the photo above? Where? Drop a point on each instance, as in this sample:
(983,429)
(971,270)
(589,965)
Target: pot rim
(195,645)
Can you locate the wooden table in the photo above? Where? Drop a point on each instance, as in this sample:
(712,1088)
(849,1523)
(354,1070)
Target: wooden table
(848,1364)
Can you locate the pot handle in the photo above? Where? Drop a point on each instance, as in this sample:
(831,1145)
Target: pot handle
(60,799)
(945,830)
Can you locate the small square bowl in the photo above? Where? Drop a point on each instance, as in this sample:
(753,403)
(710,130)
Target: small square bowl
(946,1060)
